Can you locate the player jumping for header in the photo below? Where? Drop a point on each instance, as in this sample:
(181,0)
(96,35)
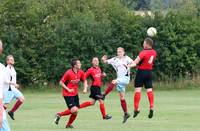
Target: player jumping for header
(144,62)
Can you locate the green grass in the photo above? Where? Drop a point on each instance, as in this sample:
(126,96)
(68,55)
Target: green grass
(175,110)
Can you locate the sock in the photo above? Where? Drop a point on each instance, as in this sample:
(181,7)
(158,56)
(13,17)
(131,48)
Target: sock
(102,108)
(109,88)
(64,113)
(71,119)
(151,99)
(124,106)
(136,100)
(16,106)
(85,104)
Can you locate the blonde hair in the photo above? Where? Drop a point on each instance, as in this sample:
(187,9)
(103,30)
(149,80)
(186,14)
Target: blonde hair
(9,56)
(121,48)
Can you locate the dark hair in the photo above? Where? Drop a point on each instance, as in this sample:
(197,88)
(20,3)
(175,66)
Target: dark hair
(74,61)
(149,41)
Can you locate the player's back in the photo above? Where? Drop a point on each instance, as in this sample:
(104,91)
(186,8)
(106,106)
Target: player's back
(147,58)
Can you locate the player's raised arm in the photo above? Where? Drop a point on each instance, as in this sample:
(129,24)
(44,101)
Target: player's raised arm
(104,59)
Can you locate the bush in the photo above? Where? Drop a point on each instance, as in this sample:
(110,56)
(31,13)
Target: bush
(44,35)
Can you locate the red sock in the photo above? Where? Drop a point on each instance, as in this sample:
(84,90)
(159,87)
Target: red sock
(109,88)
(71,119)
(102,108)
(124,107)
(64,113)
(151,99)
(136,100)
(85,104)
(16,106)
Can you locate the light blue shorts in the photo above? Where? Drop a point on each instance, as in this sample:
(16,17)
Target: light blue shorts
(10,95)
(5,126)
(122,83)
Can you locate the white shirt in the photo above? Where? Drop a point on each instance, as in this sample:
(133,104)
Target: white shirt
(10,76)
(2,76)
(120,65)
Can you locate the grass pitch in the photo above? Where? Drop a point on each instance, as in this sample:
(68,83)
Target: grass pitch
(175,110)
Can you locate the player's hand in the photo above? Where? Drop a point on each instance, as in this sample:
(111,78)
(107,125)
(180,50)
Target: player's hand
(104,58)
(129,65)
(16,85)
(85,91)
(70,90)
(104,74)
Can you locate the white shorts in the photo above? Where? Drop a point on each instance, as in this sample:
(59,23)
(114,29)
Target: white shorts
(122,82)
(10,95)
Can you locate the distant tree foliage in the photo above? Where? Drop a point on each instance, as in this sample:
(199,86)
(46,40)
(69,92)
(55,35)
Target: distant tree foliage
(44,35)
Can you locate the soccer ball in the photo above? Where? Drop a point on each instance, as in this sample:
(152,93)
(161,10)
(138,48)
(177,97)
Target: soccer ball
(151,31)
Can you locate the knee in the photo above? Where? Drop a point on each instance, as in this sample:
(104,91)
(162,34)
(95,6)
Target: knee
(22,99)
(93,102)
(149,90)
(101,101)
(114,82)
(138,89)
(122,98)
(74,110)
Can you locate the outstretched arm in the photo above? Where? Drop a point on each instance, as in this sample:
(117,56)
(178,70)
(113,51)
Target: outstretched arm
(135,62)
(104,59)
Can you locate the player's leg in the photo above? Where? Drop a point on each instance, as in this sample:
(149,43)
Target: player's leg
(74,111)
(137,96)
(121,85)
(149,89)
(69,102)
(87,103)
(5,125)
(103,110)
(124,106)
(20,99)
(93,95)
(139,81)
(109,88)
(8,97)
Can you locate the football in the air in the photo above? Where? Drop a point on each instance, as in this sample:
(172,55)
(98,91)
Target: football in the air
(151,31)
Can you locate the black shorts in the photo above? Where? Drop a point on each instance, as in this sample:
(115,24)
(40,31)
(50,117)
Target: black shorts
(143,77)
(95,93)
(72,101)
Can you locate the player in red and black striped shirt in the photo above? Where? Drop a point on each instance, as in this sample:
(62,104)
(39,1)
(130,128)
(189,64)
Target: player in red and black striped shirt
(69,83)
(144,62)
(96,76)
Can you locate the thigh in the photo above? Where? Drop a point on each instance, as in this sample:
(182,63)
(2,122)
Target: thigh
(122,83)
(148,81)
(70,101)
(139,79)
(95,93)
(8,97)
(17,93)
